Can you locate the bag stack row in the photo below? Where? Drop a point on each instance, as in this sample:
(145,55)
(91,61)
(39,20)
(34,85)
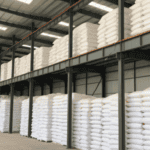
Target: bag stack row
(107,32)
(5,113)
(140,17)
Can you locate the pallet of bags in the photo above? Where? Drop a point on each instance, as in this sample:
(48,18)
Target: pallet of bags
(3,71)
(134,138)
(107,32)
(9,69)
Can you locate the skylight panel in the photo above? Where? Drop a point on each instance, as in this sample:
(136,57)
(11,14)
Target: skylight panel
(25,1)
(50,35)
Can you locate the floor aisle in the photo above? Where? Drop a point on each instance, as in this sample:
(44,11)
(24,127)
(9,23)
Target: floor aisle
(16,142)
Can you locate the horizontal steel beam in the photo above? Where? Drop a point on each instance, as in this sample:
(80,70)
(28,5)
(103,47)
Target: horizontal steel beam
(36,40)
(136,54)
(7,45)
(29,28)
(39,18)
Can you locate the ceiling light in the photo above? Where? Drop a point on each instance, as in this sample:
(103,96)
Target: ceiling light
(64,23)
(25,1)
(50,35)
(3,28)
(103,7)
(29,46)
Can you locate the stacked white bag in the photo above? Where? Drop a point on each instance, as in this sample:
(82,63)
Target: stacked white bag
(25,116)
(84,38)
(96,126)
(146,119)
(78,120)
(9,69)
(16,69)
(107,32)
(105,124)
(85,127)
(134,121)
(136,18)
(35,117)
(53,52)
(45,118)
(114,128)
(27,64)
(5,113)
(3,71)
(146,15)
(62,51)
(56,118)
(41,57)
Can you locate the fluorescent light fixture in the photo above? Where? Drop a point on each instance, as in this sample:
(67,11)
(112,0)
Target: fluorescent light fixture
(3,28)
(29,46)
(103,7)
(50,35)
(25,1)
(64,23)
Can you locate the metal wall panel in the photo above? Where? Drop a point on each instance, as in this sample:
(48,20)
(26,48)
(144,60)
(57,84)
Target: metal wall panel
(129,85)
(58,86)
(80,89)
(91,88)
(142,83)
(142,63)
(113,68)
(46,89)
(111,87)
(25,92)
(144,71)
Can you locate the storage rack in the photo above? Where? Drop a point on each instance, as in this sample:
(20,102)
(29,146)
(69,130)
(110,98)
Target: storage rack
(123,51)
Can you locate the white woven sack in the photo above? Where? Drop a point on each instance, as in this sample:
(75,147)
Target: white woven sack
(134,125)
(146,137)
(94,138)
(95,146)
(146,28)
(136,10)
(145,2)
(108,114)
(134,114)
(146,10)
(96,134)
(96,126)
(134,131)
(135,146)
(146,120)
(146,114)
(146,143)
(134,136)
(137,26)
(146,22)
(137,15)
(96,130)
(135,141)
(134,109)
(106,119)
(134,100)
(145,109)
(145,17)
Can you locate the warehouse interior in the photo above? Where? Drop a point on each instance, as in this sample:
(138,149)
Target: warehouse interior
(102,70)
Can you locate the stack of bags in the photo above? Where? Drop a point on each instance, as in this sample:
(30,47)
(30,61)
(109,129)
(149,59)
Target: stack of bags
(134,121)
(53,52)
(35,116)
(84,38)
(107,32)
(16,69)
(105,124)
(146,15)
(80,117)
(9,69)
(136,18)
(27,63)
(3,71)
(45,118)
(56,118)
(5,113)
(96,127)
(146,118)
(63,48)
(41,57)
(85,126)
(24,117)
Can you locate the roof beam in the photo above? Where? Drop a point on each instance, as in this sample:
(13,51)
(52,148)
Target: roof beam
(39,18)
(29,28)
(7,45)
(36,40)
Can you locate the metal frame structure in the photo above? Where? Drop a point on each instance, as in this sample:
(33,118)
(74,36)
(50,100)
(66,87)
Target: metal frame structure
(127,50)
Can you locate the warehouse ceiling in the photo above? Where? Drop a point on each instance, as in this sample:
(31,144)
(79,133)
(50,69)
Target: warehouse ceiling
(18,16)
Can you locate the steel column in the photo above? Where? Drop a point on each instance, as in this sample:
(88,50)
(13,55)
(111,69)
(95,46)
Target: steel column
(65,81)
(12,90)
(74,83)
(0,70)
(86,84)
(121,91)
(134,76)
(69,119)
(103,83)
(31,84)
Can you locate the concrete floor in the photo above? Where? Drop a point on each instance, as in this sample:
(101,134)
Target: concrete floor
(17,142)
